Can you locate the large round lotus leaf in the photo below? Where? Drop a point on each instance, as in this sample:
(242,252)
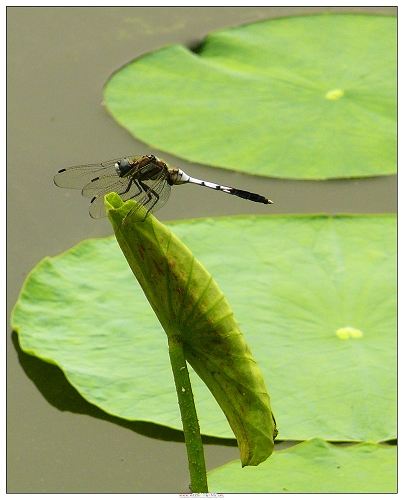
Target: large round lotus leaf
(315,297)
(309,97)
(314,467)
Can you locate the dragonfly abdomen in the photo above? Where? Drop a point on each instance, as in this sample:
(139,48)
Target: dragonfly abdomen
(250,196)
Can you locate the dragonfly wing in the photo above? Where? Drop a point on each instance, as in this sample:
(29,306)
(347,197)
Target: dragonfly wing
(124,187)
(106,183)
(93,174)
(97,207)
(97,180)
(77,177)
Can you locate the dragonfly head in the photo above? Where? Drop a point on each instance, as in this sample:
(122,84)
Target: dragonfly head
(123,166)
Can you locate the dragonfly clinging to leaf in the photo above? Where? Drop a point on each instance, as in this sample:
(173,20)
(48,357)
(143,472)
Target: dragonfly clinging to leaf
(146,179)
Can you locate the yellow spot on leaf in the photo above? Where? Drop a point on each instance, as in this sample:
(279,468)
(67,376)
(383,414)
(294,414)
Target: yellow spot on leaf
(356,334)
(348,331)
(334,95)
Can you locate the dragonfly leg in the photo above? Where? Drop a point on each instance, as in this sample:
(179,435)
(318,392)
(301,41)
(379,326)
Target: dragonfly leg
(150,194)
(132,181)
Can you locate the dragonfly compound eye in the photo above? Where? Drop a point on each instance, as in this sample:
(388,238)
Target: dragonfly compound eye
(122,166)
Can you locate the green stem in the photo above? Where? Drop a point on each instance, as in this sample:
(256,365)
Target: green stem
(193,441)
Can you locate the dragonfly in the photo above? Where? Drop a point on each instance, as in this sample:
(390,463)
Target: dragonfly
(146,179)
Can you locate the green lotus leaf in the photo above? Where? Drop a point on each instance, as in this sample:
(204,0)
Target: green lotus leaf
(315,297)
(191,307)
(314,467)
(310,97)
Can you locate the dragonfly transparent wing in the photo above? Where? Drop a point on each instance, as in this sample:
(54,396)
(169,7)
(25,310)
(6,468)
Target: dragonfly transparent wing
(126,190)
(79,176)
(105,184)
